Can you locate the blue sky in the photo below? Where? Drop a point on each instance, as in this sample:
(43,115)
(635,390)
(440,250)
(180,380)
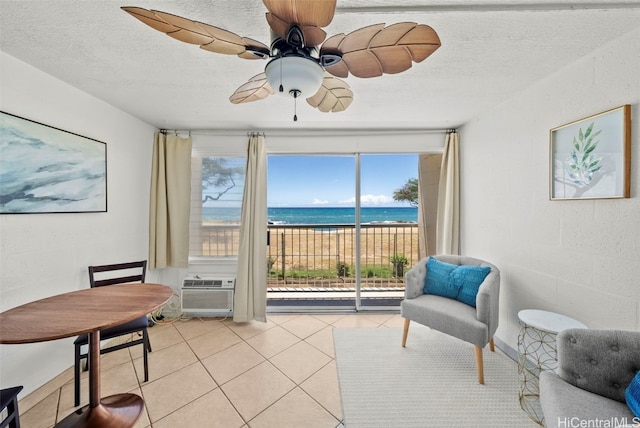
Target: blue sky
(301,181)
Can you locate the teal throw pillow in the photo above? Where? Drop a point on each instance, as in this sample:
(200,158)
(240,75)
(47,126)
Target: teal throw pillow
(467,279)
(437,281)
(632,395)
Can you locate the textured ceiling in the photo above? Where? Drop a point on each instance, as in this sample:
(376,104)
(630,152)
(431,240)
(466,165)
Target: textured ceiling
(490,51)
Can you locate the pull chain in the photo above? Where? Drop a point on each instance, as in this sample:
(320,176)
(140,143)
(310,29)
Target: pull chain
(281,88)
(295,105)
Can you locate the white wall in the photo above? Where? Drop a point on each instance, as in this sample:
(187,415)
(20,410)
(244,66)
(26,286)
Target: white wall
(580,258)
(46,254)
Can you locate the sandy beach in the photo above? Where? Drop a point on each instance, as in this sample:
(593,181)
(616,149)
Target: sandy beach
(323,248)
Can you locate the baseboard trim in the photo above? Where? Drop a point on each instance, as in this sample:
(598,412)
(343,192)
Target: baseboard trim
(504,347)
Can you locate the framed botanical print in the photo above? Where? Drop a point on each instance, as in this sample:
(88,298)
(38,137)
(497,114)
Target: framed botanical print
(591,157)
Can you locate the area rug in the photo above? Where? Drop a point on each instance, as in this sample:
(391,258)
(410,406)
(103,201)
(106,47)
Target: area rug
(430,383)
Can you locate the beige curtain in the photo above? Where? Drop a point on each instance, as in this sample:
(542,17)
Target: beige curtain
(428,176)
(448,223)
(423,240)
(170,202)
(251,280)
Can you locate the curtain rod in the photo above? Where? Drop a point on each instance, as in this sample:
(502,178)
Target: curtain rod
(308,132)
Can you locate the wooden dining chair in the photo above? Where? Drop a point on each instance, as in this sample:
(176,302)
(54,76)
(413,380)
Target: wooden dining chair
(9,407)
(115,274)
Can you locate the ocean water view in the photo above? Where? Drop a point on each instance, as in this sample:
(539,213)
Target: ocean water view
(319,215)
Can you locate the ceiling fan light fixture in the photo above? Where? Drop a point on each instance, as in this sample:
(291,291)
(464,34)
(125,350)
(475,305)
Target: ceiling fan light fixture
(295,74)
(304,62)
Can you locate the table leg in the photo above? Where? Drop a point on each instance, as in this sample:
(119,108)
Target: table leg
(115,411)
(94,369)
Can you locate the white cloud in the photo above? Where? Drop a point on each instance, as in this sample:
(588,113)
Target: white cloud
(369,200)
(375,199)
(317,201)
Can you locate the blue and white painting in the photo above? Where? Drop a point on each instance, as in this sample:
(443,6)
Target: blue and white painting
(47,170)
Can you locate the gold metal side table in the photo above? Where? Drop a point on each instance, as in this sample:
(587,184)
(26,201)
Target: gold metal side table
(537,352)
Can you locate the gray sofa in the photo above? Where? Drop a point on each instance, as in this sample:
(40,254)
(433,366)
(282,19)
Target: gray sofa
(594,369)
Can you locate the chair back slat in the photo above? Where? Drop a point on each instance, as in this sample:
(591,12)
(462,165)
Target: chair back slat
(124,277)
(9,407)
(119,280)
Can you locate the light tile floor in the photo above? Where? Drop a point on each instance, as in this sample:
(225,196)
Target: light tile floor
(208,372)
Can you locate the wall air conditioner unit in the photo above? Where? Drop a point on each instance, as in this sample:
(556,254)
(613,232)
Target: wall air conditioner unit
(207,295)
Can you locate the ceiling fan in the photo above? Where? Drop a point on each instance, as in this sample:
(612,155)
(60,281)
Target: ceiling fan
(302,61)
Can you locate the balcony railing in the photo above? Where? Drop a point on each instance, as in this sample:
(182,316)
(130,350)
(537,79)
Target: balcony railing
(323,256)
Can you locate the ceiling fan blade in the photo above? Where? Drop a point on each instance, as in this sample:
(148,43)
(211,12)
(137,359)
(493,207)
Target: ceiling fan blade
(375,50)
(333,96)
(318,13)
(185,30)
(331,46)
(210,38)
(226,42)
(313,35)
(254,49)
(309,15)
(149,18)
(257,88)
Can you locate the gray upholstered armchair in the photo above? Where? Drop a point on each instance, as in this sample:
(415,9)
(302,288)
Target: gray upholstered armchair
(594,369)
(475,325)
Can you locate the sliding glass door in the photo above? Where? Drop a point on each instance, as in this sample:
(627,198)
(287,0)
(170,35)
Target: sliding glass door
(388,226)
(311,225)
(336,230)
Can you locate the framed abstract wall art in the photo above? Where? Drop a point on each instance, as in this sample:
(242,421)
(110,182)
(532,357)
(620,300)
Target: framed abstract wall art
(591,157)
(47,170)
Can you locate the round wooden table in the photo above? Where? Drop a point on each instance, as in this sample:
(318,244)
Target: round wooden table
(87,311)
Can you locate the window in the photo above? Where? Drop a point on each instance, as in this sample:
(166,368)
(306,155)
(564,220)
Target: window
(216,202)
